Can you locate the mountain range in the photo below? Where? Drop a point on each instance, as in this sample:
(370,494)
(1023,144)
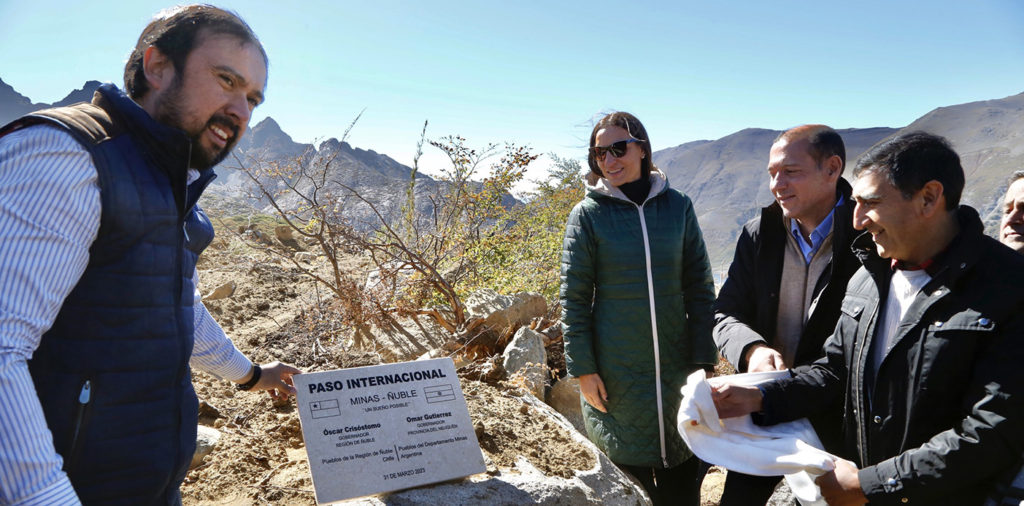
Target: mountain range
(376,177)
(726,178)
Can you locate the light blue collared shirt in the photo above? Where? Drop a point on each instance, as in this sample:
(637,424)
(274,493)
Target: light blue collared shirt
(817,236)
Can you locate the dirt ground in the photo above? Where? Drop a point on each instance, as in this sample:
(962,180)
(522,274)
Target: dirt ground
(276,313)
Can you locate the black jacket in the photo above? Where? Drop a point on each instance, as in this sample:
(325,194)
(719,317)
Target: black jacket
(947,408)
(747,307)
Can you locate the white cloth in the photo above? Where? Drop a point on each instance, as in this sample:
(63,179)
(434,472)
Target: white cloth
(791,449)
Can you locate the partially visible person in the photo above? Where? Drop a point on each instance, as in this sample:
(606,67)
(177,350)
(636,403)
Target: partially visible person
(788,277)
(1011,227)
(1009,490)
(636,296)
(100,317)
(926,357)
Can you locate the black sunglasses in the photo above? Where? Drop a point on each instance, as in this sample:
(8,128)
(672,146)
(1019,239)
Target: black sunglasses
(617,149)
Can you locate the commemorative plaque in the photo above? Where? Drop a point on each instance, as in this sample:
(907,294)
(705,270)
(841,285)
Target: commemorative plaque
(388,427)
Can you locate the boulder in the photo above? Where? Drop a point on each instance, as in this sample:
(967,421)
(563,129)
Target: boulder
(221,292)
(552,332)
(503,312)
(207,410)
(783,496)
(524,484)
(286,236)
(564,397)
(458,359)
(284,233)
(253,234)
(525,357)
(206,439)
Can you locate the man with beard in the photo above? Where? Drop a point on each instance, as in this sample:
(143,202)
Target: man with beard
(100,318)
(926,357)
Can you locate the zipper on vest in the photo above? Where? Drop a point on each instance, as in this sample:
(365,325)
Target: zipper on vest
(654,334)
(83,402)
(185,348)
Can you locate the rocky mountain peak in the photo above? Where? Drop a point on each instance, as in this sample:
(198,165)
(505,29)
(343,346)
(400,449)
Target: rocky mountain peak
(332,144)
(8,96)
(268,127)
(83,94)
(13,104)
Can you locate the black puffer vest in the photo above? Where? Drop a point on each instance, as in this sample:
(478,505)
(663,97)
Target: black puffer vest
(113,372)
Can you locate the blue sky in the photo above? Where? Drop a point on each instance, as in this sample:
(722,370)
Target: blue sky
(538,73)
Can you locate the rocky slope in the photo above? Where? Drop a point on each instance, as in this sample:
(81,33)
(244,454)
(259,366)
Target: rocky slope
(727,182)
(533,454)
(989,136)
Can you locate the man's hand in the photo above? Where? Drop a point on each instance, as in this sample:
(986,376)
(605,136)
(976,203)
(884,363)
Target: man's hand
(735,400)
(761,358)
(593,391)
(841,487)
(277,380)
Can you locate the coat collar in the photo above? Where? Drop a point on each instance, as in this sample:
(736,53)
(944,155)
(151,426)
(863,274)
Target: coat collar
(962,254)
(598,186)
(167,147)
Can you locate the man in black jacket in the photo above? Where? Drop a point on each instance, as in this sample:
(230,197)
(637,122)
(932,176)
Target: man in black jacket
(927,353)
(788,276)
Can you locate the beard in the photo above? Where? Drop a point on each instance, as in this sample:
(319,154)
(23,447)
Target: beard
(169,112)
(202,158)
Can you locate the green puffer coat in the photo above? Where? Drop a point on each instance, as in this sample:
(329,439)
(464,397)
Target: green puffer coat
(637,298)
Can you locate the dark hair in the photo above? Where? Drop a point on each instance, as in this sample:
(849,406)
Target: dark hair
(824,142)
(911,160)
(176,32)
(1014,177)
(636,130)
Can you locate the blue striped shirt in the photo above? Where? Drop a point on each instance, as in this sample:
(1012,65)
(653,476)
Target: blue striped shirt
(49,216)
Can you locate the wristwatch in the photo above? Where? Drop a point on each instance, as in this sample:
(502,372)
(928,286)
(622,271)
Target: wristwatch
(256,372)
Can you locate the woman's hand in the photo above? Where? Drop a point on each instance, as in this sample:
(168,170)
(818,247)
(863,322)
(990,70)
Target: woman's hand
(593,391)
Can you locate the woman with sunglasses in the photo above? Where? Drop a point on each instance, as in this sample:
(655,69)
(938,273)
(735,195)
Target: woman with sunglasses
(636,296)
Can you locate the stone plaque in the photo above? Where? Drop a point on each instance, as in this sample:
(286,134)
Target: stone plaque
(381,428)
